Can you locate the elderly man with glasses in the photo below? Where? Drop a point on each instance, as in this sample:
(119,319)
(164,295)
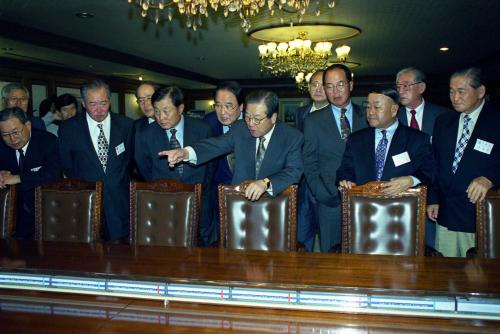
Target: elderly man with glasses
(17,95)
(266,151)
(28,157)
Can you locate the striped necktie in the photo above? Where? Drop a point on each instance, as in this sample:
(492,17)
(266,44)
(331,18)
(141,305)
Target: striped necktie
(462,144)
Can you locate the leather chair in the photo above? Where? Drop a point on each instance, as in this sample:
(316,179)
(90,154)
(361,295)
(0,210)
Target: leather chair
(487,231)
(164,212)
(374,223)
(267,224)
(8,197)
(68,210)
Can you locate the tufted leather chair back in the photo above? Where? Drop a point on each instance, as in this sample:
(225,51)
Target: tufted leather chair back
(373,223)
(68,210)
(487,229)
(267,224)
(164,212)
(7,211)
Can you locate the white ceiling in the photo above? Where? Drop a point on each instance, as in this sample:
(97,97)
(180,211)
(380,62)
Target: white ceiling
(395,34)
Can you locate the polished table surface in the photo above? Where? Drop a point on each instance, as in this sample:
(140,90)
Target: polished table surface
(398,275)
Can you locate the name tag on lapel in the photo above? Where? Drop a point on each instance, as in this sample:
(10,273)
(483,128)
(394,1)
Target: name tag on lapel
(120,149)
(36,169)
(483,146)
(401,159)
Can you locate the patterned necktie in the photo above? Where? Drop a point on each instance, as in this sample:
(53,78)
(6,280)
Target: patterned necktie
(380,155)
(413,121)
(102,147)
(174,143)
(345,127)
(21,159)
(462,144)
(261,151)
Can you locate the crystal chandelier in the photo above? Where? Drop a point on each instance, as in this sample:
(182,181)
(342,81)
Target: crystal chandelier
(195,10)
(292,58)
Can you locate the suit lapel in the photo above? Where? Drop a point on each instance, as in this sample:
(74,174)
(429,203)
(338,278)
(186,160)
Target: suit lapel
(272,149)
(358,118)
(448,148)
(90,145)
(402,116)
(428,119)
(395,148)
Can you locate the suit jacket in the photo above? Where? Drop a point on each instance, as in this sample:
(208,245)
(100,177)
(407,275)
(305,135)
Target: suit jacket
(358,164)
(36,122)
(449,190)
(282,162)
(431,113)
(300,115)
(140,126)
(222,172)
(80,160)
(41,165)
(323,151)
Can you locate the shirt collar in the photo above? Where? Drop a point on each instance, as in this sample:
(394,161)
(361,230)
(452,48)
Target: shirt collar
(94,123)
(419,109)
(269,134)
(390,130)
(474,115)
(348,107)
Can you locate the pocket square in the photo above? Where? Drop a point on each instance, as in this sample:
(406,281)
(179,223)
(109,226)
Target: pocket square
(36,169)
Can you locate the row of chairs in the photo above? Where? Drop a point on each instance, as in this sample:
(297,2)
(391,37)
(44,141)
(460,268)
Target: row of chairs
(167,212)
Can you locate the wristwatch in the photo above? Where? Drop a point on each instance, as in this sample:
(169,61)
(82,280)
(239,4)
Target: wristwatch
(267,182)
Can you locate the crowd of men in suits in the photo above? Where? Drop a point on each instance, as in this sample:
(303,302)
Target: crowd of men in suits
(336,143)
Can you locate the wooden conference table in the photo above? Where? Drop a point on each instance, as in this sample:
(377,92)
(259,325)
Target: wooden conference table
(359,282)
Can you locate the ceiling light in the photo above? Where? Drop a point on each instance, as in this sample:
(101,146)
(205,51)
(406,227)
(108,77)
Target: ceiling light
(195,10)
(140,77)
(84,15)
(444,48)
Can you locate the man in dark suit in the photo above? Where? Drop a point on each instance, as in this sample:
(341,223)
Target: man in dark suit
(266,151)
(228,109)
(172,129)
(418,114)
(325,133)
(467,152)
(307,223)
(17,95)
(387,151)
(97,146)
(28,157)
(143,95)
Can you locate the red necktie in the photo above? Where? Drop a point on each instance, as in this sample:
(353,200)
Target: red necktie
(413,121)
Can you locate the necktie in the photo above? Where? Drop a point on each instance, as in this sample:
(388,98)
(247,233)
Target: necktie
(21,159)
(380,155)
(413,121)
(462,143)
(345,127)
(174,143)
(102,147)
(261,151)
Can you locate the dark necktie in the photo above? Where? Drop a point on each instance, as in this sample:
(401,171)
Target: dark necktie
(380,156)
(345,127)
(462,144)
(174,143)
(261,151)
(102,147)
(413,121)
(21,159)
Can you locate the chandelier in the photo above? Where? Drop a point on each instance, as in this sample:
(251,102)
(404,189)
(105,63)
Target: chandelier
(195,10)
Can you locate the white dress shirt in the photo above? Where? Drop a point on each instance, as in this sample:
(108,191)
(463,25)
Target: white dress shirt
(94,129)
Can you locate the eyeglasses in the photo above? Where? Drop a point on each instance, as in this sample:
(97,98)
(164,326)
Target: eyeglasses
(15,133)
(315,84)
(226,107)
(341,85)
(406,86)
(255,120)
(16,100)
(142,100)
(96,104)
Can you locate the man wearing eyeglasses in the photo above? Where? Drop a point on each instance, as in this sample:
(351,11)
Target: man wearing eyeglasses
(17,95)
(143,95)
(419,114)
(97,146)
(325,133)
(29,158)
(266,151)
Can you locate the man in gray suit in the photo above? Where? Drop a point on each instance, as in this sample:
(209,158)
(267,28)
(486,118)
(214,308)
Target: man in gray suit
(418,114)
(325,133)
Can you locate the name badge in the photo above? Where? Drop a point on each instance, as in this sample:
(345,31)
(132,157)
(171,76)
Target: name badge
(120,149)
(401,159)
(483,146)
(36,169)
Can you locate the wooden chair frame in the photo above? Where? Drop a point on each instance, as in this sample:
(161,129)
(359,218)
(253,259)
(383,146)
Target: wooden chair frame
(373,189)
(224,189)
(483,232)
(10,223)
(71,185)
(166,186)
